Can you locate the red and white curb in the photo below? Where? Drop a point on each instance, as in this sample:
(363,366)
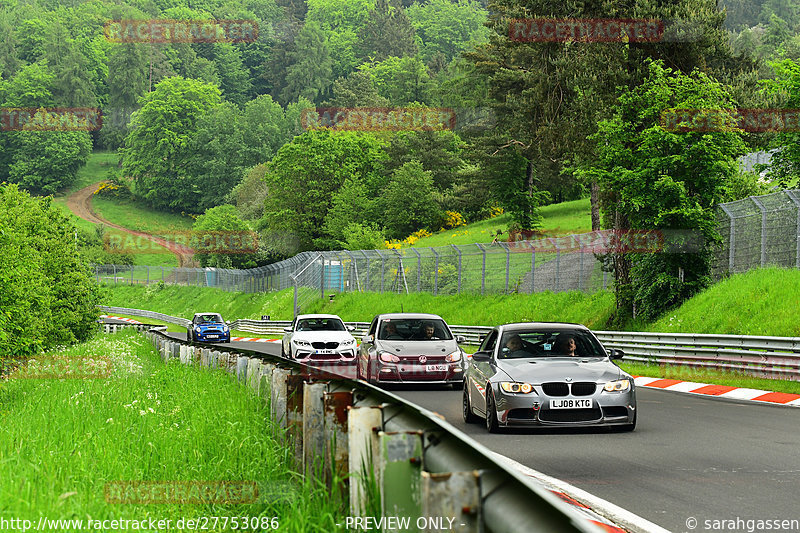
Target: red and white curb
(603,514)
(253,339)
(130,320)
(720,391)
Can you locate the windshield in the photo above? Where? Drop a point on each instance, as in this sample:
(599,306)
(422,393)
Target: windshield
(413,329)
(549,343)
(209,319)
(320,324)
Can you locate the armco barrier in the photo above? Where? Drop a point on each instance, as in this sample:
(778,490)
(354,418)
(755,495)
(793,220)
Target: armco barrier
(423,467)
(761,356)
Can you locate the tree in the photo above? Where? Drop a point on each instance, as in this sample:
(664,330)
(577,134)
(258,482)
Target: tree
(652,178)
(388,32)
(302,179)
(448,27)
(45,162)
(439,152)
(311,70)
(341,20)
(408,201)
(47,294)
(264,130)
(223,239)
(128,66)
(158,150)
(400,80)
(72,86)
(785,165)
(234,77)
(32,86)
(356,90)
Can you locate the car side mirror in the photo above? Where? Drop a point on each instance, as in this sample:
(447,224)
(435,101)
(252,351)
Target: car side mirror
(367,338)
(616,354)
(461,339)
(482,357)
(351,328)
(287,329)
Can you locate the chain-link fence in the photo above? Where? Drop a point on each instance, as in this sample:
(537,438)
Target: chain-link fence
(757,231)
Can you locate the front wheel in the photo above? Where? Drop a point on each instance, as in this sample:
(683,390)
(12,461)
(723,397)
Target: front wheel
(469,416)
(492,425)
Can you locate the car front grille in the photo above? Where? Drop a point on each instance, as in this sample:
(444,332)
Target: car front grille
(325,345)
(583,388)
(570,415)
(555,389)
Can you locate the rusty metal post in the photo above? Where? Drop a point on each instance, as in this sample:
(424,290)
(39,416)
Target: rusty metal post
(452,496)
(363,424)
(335,405)
(313,428)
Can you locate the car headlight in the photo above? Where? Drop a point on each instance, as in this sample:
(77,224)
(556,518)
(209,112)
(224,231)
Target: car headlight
(453,357)
(516,388)
(348,342)
(224,328)
(197,329)
(617,386)
(300,342)
(387,357)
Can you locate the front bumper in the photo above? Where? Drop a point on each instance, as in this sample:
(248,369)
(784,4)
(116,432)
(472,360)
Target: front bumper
(213,337)
(534,410)
(311,356)
(410,373)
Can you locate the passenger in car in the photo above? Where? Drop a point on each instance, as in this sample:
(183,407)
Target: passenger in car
(390,332)
(428,333)
(565,345)
(515,347)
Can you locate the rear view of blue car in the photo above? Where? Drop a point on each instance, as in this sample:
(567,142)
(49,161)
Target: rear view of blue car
(209,327)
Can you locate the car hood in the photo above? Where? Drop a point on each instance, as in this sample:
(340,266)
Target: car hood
(557,369)
(210,326)
(323,336)
(417,347)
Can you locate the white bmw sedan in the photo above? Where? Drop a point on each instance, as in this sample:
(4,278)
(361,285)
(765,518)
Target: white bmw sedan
(319,339)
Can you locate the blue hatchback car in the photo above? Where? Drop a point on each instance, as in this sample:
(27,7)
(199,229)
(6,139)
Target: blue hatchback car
(209,327)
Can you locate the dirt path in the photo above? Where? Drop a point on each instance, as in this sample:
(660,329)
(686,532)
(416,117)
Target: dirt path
(80,203)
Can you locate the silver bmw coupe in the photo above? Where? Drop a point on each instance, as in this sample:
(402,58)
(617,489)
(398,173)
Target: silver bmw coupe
(547,374)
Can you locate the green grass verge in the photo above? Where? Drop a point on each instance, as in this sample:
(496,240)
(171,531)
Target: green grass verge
(139,217)
(699,375)
(559,219)
(96,169)
(62,441)
(759,302)
(592,310)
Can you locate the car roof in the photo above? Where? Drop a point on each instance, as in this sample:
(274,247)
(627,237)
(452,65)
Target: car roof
(518,326)
(410,315)
(208,313)
(319,316)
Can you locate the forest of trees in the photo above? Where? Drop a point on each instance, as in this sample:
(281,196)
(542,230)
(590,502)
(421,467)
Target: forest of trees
(201,126)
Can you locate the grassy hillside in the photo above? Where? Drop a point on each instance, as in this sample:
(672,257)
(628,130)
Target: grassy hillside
(592,310)
(559,219)
(760,302)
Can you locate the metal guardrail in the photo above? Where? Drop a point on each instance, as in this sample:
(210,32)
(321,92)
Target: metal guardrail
(147,314)
(422,466)
(760,356)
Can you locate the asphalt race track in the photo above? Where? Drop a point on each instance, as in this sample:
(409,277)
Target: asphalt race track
(690,456)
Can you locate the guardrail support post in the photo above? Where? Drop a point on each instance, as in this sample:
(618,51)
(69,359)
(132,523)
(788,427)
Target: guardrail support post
(363,423)
(313,428)
(265,380)
(294,415)
(278,397)
(400,463)
(456,496)
(253,373)
(335,406)
(241,368)
(205,358)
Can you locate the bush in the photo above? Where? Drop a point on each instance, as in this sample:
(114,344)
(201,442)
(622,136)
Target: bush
(47,294)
